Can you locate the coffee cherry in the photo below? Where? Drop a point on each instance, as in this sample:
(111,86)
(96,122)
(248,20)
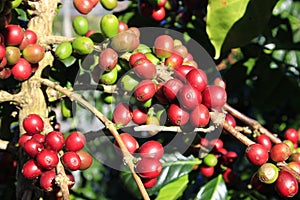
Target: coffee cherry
(257,154)
(21,70)
(63,50)
(33,124)
(135,57)
(210,160)
(144,91)
(129,141)
(108,59)
(139,115)
(80,25)
(71,160)
(295,157)
(268,173)
(214,96)
(200,116)
(31,170)
(280,152)
(75,141)
(181,72)
(109,25)
(86,159)
(55,140)
(109,4)
(144,68)
(207,171)
(47,159)
(34,53)
(32,147)
(177,115)
(171,88)
(31,36)
(163,46)
(122,114)
(286,184)
(265,141)
(291,134)
(230,120)
(47,180)
(197,79)
(149,183)
(13,35)
(189,97)
(125,41)
(122,26)
(149,168)
(151,149)
(158,13)
(83,6)
(13,55)
(83,45)
(174,60)
(24,138)
(295,166)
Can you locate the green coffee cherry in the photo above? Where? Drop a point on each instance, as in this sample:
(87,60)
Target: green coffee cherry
(80,25)
(63,50)
(109,25)
(83,45)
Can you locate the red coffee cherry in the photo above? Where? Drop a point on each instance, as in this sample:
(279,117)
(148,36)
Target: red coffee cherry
(139,116)
(149,183)
(189,97)
(171,88)
(21,70)
(129,141)
(122,114)
(75,141)
(71,160)
(257,154)
(145,90)
(207,171)
(47,159)
(47,180)
(200,116)
(177,115)
(86,159)
(39,137)
(280,152)
(55,140)
(32,147)
(31,170)
(291,134)
(286,184)
(24,138)
(265,141)
(13,35)
(214,96)
(230,120)
(151,149)
(149,168)
(197,78)
(33,124)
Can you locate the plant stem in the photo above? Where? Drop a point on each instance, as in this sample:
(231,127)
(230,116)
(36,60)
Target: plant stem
(128,158)
(285,167)
(251,122)
(244,139)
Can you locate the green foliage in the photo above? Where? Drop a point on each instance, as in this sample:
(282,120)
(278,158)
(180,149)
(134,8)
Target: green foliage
(214,189)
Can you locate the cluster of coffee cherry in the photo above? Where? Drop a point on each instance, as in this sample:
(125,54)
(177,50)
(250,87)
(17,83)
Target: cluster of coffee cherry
(45,151)
(270,157)
(148,165)
(19,52)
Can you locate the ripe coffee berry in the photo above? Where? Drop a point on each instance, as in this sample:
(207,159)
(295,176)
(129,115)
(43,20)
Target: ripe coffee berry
(149,183)
(47,159)
(280,152)
(149,168)
(31,170)
(33,124)
(71,160)
(86,159)
(207,171)
(129,141)
(151,149)
(291,134)
(286,184)
(32,147)
(55,140)
(257,154)
(264,140)
(75,141)
(47,180)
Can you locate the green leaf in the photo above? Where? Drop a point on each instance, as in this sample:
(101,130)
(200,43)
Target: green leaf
(252,23)
(221,15)
(173,190)
(174,166)
(215,189)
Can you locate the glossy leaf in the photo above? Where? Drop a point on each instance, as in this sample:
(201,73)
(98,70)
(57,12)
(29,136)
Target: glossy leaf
(215,189)
(173,190)
(221,15)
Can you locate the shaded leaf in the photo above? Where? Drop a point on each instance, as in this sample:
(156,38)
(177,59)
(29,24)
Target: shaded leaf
(173,190)
(221,15)
(215,189)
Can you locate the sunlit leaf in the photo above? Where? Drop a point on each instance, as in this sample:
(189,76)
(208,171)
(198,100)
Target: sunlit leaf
(221,15)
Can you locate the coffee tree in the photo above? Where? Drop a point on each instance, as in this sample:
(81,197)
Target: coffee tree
(165,99)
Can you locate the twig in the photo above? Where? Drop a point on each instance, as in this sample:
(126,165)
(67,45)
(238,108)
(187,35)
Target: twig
(251,122)
(244,139)
(128,158)
(6,96)
(285,167)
